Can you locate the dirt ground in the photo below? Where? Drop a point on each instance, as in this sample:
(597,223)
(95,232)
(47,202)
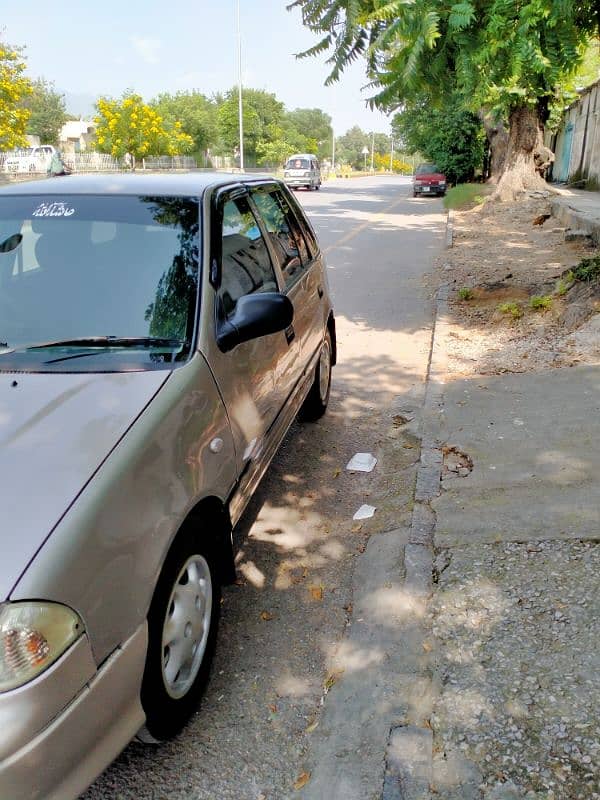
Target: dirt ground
(504,259)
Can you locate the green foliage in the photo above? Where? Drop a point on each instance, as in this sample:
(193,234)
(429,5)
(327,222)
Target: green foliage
(587,270)
(196,113)
(504,56)
(514,309)
(262,116)
(564,284)
(309,131)
(465,195)
(450,137)
(465,294)
(540,302)
(47,112)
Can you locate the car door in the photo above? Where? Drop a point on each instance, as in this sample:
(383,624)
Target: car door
(240,264)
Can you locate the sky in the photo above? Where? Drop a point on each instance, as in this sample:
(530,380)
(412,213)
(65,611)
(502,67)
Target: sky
(105,48)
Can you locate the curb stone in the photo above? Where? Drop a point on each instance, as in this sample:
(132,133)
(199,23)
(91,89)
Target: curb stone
(409,754)
(450,228)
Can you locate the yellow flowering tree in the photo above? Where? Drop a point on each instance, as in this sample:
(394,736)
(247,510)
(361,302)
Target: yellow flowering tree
(14,87)
(130,126)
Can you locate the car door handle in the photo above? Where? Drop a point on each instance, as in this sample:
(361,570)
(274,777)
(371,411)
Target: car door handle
(290,334)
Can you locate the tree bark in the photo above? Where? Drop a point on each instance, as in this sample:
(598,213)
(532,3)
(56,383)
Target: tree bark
(526,155)
(497,137)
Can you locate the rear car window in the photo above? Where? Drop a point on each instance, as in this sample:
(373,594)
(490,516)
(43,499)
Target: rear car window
(427,169)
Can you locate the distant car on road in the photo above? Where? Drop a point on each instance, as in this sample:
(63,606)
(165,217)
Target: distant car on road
(159,334)
(303,169)
(429,180)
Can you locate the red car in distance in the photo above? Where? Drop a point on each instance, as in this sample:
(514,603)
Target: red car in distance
(429,180)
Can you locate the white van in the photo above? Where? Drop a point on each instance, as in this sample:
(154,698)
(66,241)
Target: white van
(302,169)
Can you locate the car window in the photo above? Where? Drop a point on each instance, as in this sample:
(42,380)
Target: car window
(307,231)
(284,233)
(427,169)
(245,263)
(298,163)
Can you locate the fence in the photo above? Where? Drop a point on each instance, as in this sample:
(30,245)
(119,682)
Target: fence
(576,144)
(19,163)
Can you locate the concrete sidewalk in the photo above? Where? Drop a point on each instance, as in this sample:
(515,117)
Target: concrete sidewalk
(578,210)
(515,607)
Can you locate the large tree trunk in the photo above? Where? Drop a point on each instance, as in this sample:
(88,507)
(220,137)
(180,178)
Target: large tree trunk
(526,156)
(497,137)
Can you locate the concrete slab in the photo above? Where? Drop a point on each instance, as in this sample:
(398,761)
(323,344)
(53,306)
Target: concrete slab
(579,210)
(535,464)
(379,668)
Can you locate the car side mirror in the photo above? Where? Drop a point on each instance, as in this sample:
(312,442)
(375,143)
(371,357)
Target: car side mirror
(255,315)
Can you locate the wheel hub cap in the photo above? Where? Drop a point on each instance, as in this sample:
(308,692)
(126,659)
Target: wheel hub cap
(186,626)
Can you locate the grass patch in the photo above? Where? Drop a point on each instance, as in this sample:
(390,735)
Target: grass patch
(466,195)
(540,302)
(587,270)
(514,309)
(564,284)
(465,294)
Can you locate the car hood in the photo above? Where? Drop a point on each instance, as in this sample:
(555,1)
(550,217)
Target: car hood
(55,431)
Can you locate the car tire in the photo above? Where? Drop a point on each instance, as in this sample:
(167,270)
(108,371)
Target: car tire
(317,399)
(185,608)
(318,186)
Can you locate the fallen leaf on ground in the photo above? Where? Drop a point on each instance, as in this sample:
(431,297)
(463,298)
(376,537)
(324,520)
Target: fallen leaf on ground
(332,679)
(426,647)
(267,616)
(408,446)
(400,419)
(356,528)
(336,472)
(272,708)
(313,726)
(301,780)
(316,592)
(348,608)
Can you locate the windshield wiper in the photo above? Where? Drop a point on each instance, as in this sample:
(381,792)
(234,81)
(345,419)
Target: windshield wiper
(113,341)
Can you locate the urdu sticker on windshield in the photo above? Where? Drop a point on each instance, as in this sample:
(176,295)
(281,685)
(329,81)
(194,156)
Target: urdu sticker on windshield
(53,210)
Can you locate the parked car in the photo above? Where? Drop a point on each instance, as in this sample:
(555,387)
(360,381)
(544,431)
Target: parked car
(429,180)
(29,159)
(303,169)
(158,337)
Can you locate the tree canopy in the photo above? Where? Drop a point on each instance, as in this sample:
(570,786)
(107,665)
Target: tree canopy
(131,126)
(47,112)
(14,88)
(506,56)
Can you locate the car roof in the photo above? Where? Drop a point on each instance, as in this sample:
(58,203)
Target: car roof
(301,155)
(175,184)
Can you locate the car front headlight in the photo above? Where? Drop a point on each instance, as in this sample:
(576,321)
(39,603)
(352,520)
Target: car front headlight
(306,174)
(33,635)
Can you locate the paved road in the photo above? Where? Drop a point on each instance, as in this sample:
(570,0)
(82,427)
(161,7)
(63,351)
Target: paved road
(278,703)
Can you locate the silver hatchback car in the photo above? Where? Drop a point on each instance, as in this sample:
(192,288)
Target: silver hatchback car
(158,336)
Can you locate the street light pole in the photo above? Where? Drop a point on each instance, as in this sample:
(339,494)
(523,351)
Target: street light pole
(333,150)
(392,155)
(240,108)
(372,148)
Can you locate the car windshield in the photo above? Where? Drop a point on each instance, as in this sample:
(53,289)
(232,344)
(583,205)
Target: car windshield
(115,269)
(427,169)
(298,163)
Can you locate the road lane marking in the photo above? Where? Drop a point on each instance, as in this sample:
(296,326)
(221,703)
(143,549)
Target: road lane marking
(376,218)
